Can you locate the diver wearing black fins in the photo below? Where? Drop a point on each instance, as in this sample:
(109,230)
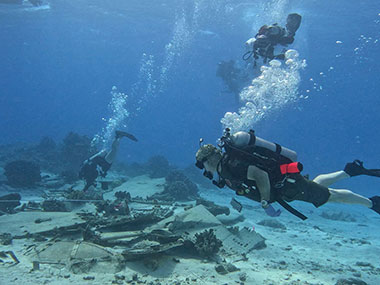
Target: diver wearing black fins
(268,37)
(356,168)
(100,163)
(35,3)
(267,172)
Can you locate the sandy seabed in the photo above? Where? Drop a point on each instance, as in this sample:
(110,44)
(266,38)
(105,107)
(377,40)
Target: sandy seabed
(315,251)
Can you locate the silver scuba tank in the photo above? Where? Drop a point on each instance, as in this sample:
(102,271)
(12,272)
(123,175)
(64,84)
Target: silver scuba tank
(242,139)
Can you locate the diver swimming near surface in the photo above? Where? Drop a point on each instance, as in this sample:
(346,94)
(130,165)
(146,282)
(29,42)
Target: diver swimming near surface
(269,37)
(35,3)
(100,163)
(267,172)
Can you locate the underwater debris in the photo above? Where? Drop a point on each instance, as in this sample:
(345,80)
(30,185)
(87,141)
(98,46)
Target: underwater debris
(5,239)
(53,206)
(9,202)
(72,194)
(148,247)
(213,208)
(198,219)
(79,257)
(207,244)
(350,281)
(9,253)
(118,207)
(22,224)
(122,195)
(22,173)
(225,268)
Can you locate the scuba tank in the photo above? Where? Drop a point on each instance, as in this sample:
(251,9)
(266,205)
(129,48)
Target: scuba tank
(248,142)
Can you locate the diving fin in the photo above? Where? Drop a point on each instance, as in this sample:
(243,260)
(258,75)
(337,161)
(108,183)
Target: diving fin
(120,134)
(375,204)
(293,22)
(356,168)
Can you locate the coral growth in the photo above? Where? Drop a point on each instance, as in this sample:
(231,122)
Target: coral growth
(22,173)
(207,244)
(46,144)
(179,187)
(75,150)
(64,158)
(158,166)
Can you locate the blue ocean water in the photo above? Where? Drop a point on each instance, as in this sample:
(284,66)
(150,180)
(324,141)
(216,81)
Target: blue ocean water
(59,63)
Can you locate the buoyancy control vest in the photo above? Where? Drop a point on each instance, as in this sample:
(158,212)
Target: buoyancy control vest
(256,151)
(244,149)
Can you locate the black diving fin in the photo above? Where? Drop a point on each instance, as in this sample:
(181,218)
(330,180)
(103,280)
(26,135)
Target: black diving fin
(293,22)
(120,134)
(356,168)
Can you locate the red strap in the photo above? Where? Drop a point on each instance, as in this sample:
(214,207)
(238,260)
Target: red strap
(294,167)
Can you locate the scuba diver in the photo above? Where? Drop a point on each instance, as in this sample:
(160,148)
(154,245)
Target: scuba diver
(100,163)
(267,172)
(35,3)
(234,78)
(268,37)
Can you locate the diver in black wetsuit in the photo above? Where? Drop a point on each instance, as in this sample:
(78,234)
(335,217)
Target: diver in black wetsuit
(234,77)
(263,44)
(20,2)
(267,172)
(100,163)
(36,2)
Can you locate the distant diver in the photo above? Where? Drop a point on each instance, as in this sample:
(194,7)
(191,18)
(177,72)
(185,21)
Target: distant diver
(267,172)
(268,37)
(233,77)
(36,2)
(20,2)
(100,163)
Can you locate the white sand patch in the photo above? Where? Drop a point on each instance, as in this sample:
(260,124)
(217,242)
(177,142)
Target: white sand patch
(140,186)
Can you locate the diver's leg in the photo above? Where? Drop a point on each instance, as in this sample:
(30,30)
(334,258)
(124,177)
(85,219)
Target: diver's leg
(101,153)
(110,157)
(348,197)
(330,178)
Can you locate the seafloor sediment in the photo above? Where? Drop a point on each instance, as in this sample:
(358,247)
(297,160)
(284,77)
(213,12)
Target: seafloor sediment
(134,232)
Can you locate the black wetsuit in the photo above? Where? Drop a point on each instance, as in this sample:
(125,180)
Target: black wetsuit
(92,168)
(233,171)
(267,40)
